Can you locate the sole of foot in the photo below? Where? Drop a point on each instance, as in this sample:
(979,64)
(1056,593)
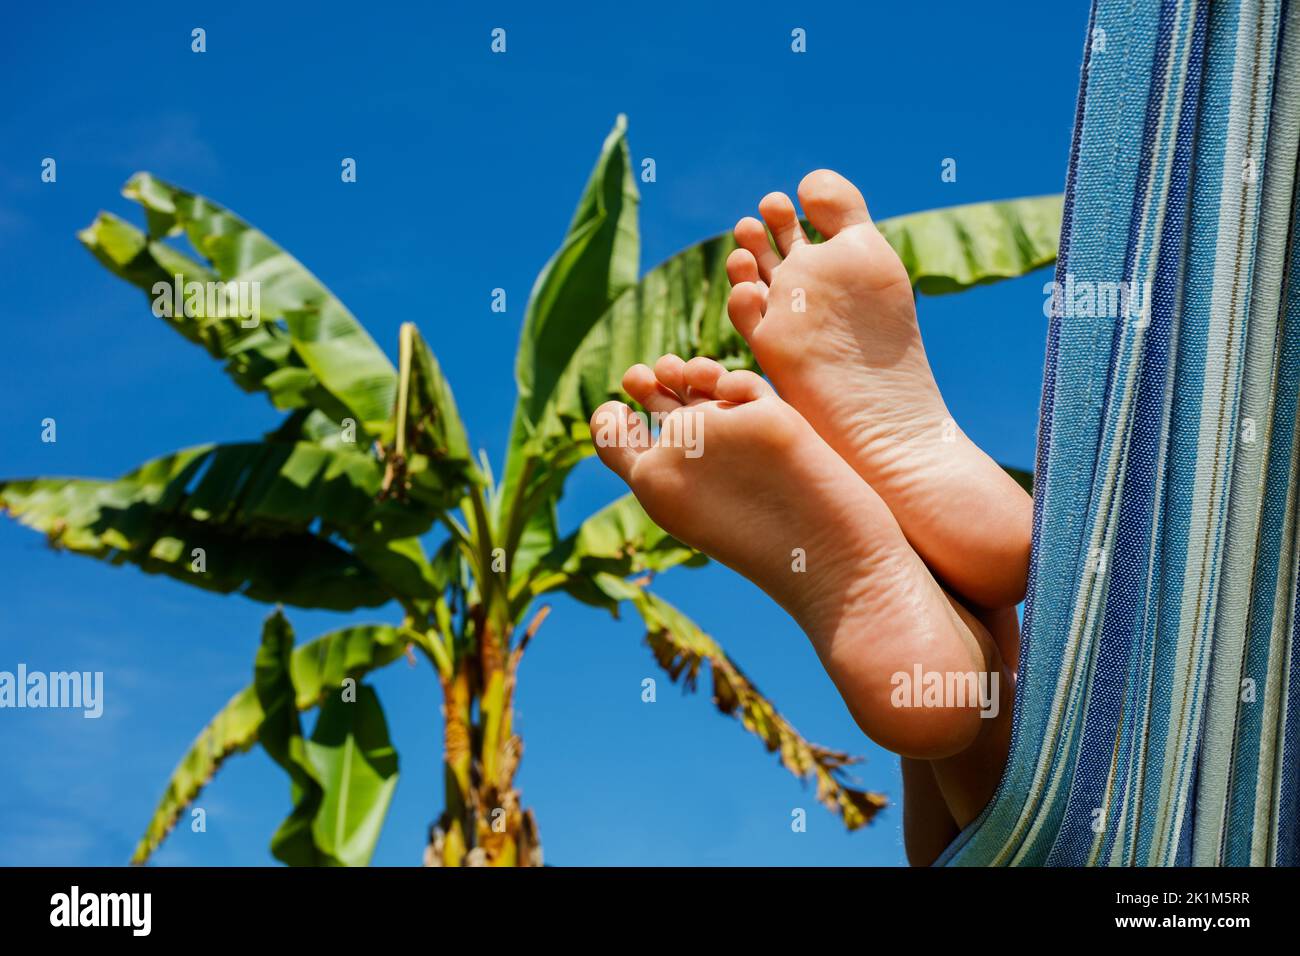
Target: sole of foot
(834,327)
(758,490)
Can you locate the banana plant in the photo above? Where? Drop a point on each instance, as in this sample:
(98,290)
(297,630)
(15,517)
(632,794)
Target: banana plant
(368,496)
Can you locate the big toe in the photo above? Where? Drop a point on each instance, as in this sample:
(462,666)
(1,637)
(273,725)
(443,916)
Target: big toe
(831,202)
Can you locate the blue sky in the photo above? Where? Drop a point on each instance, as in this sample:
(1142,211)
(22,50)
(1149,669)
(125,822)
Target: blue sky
(469,165)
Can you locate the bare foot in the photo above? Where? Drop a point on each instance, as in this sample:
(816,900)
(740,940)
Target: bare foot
(767,497)
(834,327)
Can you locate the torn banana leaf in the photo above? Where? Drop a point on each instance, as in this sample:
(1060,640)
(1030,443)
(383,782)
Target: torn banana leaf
(315,669)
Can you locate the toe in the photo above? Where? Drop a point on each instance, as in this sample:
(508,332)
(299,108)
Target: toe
(741,386)
(619,435)
(778,212)
(640,382)
(742,267)
(745,305)
(702,376)
(831,202)
(752,236)
(668,370)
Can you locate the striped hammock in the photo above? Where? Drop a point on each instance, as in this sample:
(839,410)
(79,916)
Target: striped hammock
(1158,708)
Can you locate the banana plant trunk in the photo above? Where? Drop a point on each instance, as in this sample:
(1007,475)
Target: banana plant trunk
(484,822)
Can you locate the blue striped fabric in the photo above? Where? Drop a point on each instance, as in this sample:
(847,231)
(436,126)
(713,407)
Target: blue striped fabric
(1158,703)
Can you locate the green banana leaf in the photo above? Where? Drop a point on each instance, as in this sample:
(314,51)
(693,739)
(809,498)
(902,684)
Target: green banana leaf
(315,669)
(617,541)
(681,648)
(952,249)
(342,778)
(257,358)
(310,425)
(262,514)
(356,765)
(596,263)
(330,360)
